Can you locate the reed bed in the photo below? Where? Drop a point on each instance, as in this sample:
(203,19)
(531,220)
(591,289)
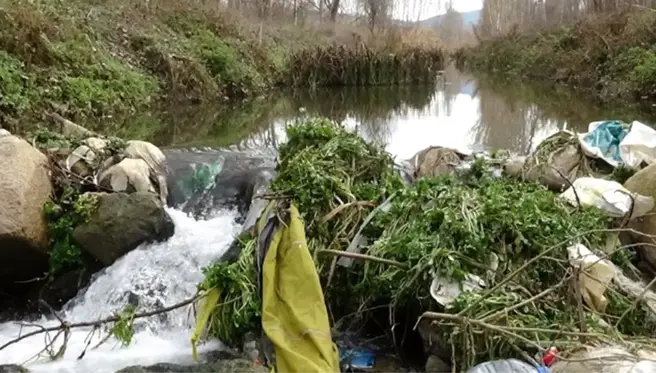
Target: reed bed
(342,65)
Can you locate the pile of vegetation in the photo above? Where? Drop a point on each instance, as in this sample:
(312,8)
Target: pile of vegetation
(358,65)
(610,56)
(511,234)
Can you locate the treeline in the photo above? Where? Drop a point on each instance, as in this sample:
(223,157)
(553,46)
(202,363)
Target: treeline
(500,17)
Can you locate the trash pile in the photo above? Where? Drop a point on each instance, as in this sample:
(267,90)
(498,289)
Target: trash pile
(492,267)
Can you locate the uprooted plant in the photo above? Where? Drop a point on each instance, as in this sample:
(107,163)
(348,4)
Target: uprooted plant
(512,235)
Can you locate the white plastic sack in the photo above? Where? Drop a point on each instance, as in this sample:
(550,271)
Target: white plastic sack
(639,145)
(595,275)
(607,195)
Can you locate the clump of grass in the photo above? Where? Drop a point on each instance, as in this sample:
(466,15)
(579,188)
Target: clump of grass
(343,65)
(239,309)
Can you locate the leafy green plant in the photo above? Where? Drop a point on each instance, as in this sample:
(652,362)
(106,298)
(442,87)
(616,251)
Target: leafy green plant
(71,210)
(123,328)
(239,308)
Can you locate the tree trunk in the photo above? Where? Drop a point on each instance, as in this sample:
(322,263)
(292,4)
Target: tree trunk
(334,8)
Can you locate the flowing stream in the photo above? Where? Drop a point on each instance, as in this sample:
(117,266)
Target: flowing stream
(153,275)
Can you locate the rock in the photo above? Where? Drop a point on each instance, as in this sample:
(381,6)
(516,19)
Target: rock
(4,132)
(24,188)
(433,344)
(222,366)
(514,166)
(436,365)
(65,287)
(155,160)
(435,161)
(129,175)
(11,368)
(121,223)
(644,183)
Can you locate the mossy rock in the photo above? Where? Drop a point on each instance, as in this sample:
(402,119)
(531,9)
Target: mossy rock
(223,366)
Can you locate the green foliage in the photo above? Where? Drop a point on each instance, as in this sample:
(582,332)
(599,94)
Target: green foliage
(62,217)
(322,166)
(233,70)
(14,83)
(239,308)
(594,56)
(123,328)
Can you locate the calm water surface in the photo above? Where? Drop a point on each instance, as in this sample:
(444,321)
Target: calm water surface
(461,112)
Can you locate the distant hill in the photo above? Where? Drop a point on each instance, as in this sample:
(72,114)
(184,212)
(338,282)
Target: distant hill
(468,18)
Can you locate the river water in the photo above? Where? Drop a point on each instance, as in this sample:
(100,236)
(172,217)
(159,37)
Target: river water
(462,113)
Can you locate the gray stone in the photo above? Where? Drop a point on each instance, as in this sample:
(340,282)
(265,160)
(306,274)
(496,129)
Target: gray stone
(435,161)
(436,365)
(223,366)
(24,188)
(11,368)
(121,223)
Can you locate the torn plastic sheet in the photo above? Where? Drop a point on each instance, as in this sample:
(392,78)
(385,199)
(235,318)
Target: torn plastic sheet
(444,291)
(607,195)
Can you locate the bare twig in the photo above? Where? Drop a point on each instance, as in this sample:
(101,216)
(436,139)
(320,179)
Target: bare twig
(67,326)
(365,257)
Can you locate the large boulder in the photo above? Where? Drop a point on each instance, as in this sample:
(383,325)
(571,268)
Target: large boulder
(154,158)
(121,223)
(644,183)
(435,161)
(221,366)
(24,188)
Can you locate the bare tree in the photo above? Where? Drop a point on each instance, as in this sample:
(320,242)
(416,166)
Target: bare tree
(376,11)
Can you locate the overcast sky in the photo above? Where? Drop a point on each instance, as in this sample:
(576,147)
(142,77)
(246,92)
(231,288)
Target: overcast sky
(432,8)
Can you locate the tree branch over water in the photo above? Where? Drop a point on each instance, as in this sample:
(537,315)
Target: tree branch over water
(66,327)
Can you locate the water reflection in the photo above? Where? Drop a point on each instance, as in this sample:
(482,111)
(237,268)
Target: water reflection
(461,112)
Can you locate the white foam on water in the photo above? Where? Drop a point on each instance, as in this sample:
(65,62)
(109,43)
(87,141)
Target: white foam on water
(154,275)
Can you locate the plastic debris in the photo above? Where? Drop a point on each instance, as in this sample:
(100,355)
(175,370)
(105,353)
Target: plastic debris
(619,143)
(445,291)
(357,358)
(597,274)
(607,195)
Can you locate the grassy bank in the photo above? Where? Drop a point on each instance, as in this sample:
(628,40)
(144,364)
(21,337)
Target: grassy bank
(94,62)
(610,57)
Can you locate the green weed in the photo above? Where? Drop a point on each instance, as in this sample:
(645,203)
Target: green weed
(71,210)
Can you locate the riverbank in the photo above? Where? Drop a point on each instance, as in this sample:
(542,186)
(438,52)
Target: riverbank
(608,57)
(97,64)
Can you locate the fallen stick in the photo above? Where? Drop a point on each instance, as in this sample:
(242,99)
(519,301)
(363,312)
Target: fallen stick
(365,257)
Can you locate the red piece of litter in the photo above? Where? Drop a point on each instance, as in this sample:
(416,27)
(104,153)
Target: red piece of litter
(550,357)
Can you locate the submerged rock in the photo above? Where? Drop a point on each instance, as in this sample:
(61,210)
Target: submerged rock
(24,188)
(222,366)
(121,223)
(13,369)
